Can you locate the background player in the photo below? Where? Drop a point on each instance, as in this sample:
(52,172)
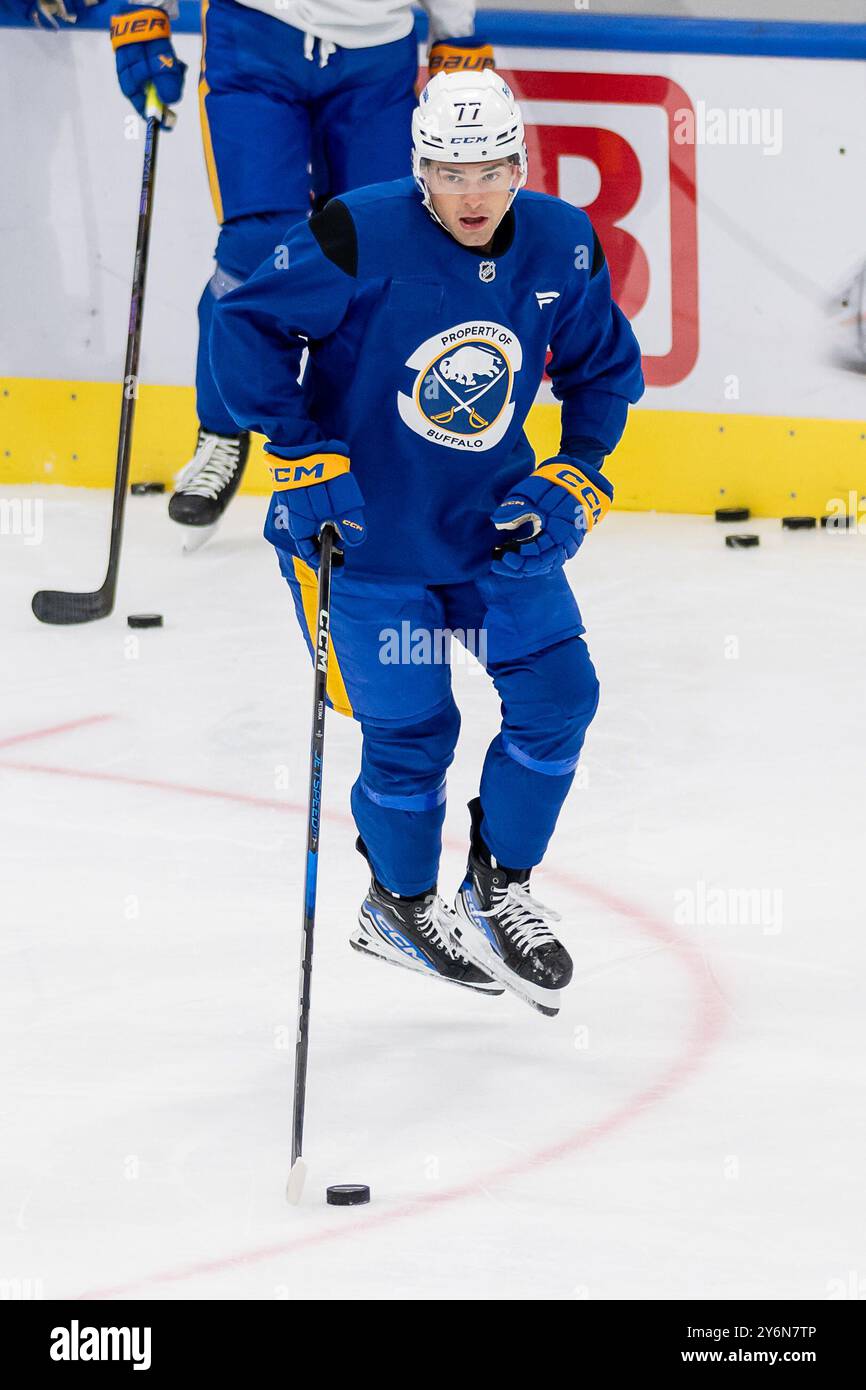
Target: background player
(428,305)
(295,98)
(51,14)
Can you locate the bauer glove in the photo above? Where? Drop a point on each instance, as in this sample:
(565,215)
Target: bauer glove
(308,491)
(459,55)
(560,502)
(143,51)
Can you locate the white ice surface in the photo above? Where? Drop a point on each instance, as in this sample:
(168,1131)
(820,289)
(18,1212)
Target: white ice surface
(692,1123)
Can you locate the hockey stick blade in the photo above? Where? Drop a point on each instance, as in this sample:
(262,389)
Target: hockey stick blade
(295,1184)
(55,606)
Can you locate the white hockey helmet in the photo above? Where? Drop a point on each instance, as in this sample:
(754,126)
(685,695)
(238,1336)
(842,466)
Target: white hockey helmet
(466,118)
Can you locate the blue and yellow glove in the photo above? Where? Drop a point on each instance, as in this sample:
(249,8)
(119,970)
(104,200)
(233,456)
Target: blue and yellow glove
(560,502)
(144,54)
(309,491)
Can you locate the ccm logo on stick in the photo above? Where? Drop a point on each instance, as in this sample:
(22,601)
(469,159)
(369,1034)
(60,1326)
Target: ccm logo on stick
(322,642)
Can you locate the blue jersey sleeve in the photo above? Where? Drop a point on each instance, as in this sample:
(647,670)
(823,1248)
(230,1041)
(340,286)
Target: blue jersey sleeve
(260,330)
(595,368)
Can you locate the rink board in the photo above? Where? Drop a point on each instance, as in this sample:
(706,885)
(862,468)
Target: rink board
(772,465)
(744,279)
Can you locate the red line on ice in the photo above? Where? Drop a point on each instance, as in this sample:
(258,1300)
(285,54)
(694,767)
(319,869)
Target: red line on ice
(54,729)
(706,1027)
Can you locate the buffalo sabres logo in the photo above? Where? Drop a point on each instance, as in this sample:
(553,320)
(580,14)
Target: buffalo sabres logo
(461,394)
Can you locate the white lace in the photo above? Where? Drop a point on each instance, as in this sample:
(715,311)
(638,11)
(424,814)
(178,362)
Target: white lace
(434,923)
(524,918)
(326,48)
(213,467)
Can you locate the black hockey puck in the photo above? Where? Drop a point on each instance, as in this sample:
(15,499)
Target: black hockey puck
(145,620)
(798,523)
(742,542)
(143,489)
(732,513)
(838,523)
(347,1194)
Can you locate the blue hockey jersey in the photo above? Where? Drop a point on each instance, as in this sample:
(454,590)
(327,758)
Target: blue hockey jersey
(424,360)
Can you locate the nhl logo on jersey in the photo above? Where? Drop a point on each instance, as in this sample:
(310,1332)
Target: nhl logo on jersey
(487,271)
(461,393)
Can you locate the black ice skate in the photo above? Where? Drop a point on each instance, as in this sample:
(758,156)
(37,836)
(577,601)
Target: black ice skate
(505,931)
(414,933)
(208,483)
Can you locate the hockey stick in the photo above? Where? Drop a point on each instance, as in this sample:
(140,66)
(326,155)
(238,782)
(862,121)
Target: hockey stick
(526,518)
(54,605)
(328,558)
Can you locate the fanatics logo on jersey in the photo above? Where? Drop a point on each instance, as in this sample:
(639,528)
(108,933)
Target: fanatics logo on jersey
(487,271)
(461,395)
(546,297)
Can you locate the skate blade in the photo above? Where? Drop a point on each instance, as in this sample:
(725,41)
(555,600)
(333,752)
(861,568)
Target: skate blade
(366,948)
(490,963)
(295,1184)
(197,536)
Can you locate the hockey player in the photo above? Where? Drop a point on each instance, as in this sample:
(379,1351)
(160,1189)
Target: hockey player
(50,14)
(428,305)
(286,86)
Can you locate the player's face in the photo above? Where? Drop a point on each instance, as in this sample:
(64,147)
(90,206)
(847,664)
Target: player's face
(471,199)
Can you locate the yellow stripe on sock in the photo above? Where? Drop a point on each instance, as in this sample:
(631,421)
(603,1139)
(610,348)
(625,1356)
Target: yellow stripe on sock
(207,142)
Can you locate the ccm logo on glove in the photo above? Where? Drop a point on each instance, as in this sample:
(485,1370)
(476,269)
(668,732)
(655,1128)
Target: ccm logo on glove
(307,471)
(595,504)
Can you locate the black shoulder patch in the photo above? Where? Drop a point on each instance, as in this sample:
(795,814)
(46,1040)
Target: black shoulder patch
(597,255)
(335,231)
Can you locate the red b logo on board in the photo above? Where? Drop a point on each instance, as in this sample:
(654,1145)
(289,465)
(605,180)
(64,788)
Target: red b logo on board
(606,142)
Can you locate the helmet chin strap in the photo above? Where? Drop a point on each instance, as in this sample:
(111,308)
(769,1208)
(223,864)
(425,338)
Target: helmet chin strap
(428,201)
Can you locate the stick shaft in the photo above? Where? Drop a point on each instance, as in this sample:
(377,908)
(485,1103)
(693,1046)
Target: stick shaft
(133,348)
(314,806)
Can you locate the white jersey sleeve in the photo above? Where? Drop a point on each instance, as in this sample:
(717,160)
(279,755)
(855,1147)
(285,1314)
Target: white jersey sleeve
(365,23)
(453,19)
